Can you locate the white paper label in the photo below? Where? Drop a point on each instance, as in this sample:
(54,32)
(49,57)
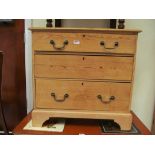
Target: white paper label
(76,42)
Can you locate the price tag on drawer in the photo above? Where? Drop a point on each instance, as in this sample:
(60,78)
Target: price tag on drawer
(76,42)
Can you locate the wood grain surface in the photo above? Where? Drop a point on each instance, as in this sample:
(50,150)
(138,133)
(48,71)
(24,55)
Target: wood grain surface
(85,42)
(82,95)
(76,127)
(84,67)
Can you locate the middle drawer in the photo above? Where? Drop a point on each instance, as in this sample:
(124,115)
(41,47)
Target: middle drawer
(83,67)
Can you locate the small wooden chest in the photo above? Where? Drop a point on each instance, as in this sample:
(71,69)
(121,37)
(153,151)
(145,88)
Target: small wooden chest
(83,73)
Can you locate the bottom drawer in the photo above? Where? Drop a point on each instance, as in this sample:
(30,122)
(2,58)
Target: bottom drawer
(84,95)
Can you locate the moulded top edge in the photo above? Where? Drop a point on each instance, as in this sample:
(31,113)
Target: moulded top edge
(52,29)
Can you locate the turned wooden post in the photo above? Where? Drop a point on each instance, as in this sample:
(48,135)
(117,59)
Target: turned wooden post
(121,23)
(49,23)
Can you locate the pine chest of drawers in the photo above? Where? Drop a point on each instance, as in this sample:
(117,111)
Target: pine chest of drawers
(83,73)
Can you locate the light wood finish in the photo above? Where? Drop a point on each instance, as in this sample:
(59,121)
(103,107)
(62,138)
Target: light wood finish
(81,42)
(74,66)
(124,119)
(78,126)
(90,30)
(83,69)
(82,95)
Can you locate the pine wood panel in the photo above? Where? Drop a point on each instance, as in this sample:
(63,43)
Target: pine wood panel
(76,127)
(82,95)
(87,30)
(85,42)
(123,119)
(86,67)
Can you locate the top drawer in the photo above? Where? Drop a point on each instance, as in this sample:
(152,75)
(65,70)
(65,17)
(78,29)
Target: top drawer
(84,42)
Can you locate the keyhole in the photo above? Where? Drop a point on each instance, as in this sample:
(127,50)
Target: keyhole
(83,58)
(84,35)
(82,83)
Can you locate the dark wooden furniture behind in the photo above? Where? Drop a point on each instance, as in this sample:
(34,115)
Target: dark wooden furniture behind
(76,127)
(1,104)
(13,76)
(58,23)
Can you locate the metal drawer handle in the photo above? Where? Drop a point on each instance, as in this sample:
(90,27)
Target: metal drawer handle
(59,48)
(111,98)
(116,44)
(59,100)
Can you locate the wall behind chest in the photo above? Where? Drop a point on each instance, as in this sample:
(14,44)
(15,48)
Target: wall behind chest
(144,85)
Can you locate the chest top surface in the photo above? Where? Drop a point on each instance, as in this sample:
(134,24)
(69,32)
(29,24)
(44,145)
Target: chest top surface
(89,30)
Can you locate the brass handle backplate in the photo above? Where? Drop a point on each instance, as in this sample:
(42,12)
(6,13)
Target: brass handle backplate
(111,98)
(59,100)
(52,42)
(116,44)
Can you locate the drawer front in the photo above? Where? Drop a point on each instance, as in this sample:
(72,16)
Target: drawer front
(83,67)
(66,94)
(84,42)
